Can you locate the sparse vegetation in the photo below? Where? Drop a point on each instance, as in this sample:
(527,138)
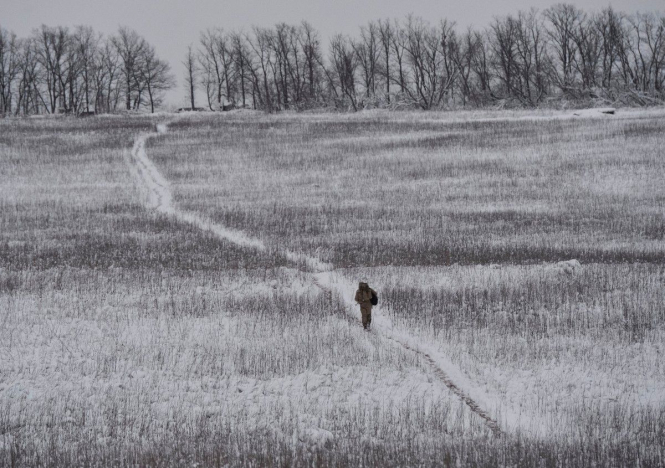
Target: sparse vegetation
(131,338)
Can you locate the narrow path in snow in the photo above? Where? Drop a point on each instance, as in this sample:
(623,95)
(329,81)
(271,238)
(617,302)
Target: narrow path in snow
(437,362)
(155,188)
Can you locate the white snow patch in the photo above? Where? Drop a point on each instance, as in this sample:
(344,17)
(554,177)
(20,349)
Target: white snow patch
(569,267)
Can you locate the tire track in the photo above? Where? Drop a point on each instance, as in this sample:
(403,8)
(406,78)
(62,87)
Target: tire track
(159,198)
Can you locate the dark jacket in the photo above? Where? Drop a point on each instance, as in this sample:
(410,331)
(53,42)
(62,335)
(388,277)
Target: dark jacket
(364,294)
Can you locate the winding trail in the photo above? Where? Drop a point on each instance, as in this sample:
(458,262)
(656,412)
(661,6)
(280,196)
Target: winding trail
(157,193)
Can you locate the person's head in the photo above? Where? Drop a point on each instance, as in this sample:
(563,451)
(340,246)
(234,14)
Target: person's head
(363,285)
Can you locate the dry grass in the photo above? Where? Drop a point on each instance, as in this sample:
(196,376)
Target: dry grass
(128,338)
(399,190)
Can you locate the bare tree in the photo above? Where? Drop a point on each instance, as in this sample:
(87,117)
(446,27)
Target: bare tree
(241,63)
(385,31)
(530,47)
(191,74)
(286,75)
(588,42)
(50,45)
(463,54)
(564,20)
(28,94)
(648,51)
(609,26)
(216,63)
(368,54)
(430,51)
(129,46)
(156,74)
(624,45)
(9,68)
(209,79)
(345,65)
(297,72)
(225,53)
(107,73)
(482,66)
(398,43)
(85,43)
(310,45)
(261,45)
(503,41)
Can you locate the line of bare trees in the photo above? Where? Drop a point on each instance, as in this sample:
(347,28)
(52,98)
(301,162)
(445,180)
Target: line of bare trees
(269,68)
(527,59)
(58,70)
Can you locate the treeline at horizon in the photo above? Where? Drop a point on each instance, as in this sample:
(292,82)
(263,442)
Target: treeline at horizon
(58,70)
(562,56)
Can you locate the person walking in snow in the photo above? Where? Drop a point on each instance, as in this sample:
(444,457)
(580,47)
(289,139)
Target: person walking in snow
(366,297)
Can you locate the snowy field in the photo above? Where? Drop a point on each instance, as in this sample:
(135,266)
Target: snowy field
(177,290)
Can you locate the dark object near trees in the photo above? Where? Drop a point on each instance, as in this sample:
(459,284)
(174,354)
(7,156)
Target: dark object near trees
(191,109)
(229,107)
(375,299)
(86,114)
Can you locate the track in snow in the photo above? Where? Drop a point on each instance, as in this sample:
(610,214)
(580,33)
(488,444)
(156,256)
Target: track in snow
(155,189)
(379,323)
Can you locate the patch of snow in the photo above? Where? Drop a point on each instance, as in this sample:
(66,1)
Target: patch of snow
(569,267)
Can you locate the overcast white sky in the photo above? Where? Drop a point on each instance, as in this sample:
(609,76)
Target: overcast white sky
(171,25)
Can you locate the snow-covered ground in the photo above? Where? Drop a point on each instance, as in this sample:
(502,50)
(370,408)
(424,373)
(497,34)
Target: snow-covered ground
(157,294)
(159,198)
